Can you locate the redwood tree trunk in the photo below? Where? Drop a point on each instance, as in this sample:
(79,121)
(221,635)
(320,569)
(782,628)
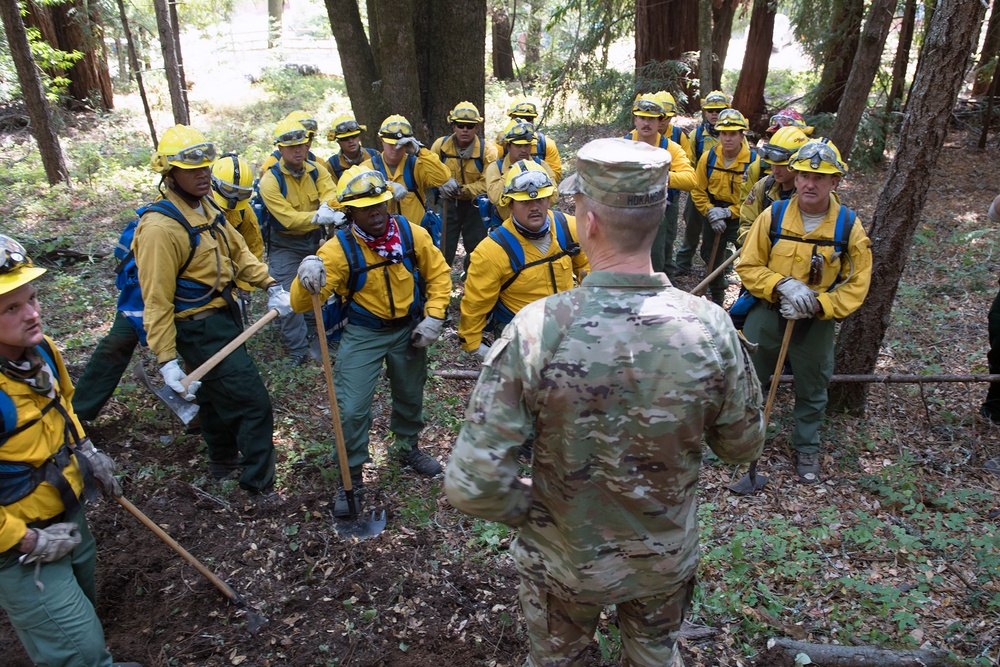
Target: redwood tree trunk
(34,95)
(902,61)
(458,59)
(950,39)
(749,95)
(990,50)
(664,29)
(839,54)
(866,64)
(503,54)
(705,60)
(723,12)
(399,75)
(274,11)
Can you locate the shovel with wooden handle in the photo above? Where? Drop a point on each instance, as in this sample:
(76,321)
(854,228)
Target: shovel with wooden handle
(752,482)
(353,526)
(186,410)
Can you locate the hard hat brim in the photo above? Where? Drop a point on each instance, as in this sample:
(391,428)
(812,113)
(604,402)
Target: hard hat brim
(185,165)
(22,276)
(646,114)
(364,202)
(543,193)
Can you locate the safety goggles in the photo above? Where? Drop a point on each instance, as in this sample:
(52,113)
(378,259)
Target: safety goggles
(774,154)
(779,121)
(292,138)
(521,133)
(194,155)
(465,125)
(13,257)
(647,106)
(466,115)
(230,191)
(397,129)
(346,127)
(816,153)
(309,123)
(528,182)
(524,109)
(718,101)
(367,184)
(669,108)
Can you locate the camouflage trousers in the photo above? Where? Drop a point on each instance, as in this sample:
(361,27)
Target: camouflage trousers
(559,631)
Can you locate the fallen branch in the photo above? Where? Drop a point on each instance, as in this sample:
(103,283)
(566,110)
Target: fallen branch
(871,379)
(834,655)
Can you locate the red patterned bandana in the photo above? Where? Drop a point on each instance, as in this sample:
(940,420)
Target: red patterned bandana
(389,245)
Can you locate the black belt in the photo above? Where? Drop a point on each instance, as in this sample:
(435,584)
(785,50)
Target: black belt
(205,314)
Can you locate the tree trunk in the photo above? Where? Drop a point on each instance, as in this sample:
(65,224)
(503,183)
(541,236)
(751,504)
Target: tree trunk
(723,12)
(34,95)
(400,77)
(749,95)
(861,656)
(137,71)
(902,60)
(838,54)
(533,40)
(663,30)
(990,50)
(176,24)
(274,9)
(705,46)
(171,68)
(950,40)
(929,6)
(866,64)
(503,54)
(363,81)
(458,56)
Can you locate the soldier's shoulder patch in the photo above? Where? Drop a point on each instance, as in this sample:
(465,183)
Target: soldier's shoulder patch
(752,197)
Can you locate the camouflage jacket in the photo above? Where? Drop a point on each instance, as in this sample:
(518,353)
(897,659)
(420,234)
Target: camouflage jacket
(618,380)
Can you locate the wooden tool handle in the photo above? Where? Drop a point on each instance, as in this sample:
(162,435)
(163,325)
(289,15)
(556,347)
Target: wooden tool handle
(700,288)
(214,360)
(338,431)
(777,370)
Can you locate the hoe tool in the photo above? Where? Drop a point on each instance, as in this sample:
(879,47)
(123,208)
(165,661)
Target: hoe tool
(254,620)
(752,482)
(185,410)
(354,526)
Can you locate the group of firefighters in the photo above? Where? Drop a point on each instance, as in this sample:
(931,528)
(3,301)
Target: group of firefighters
(360,230)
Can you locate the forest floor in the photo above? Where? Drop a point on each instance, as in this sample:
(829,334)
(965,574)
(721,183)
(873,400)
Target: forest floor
(897,548)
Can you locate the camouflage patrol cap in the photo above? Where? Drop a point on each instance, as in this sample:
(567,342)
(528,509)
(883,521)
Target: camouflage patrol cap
(621,173)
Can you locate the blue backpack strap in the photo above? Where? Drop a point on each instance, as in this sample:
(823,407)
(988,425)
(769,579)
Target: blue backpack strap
(845,224)
(482,153)
(515,253)
(675,134)
(335,166)
(563,235)
(663,142)
(712,157)
(8,411)
(777,215)
(541,148)
(753,157)
(410,177)
(280,177)
(379,164)
(699,141)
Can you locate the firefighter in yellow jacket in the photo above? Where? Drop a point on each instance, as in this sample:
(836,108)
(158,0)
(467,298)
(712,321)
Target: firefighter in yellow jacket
(406,163)
(47,552)
(466,154)
(347,133)
(544,149)
(647,115)
(232,187)
(776,186)
(807,260)
(717,197)
(520,139)
(188,268)
(311,126)
(534,253)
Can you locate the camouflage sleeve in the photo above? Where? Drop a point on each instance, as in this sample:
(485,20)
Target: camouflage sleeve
(482,477)
(737,435)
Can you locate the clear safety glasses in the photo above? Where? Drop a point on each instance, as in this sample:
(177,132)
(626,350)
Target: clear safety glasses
(194,155)
(816,153)
(775,154)
(528,182)
(647,106)
(397,129)
(367,184)
(292,138)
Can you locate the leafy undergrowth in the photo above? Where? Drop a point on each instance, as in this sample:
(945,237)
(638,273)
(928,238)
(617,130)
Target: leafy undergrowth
(898,547)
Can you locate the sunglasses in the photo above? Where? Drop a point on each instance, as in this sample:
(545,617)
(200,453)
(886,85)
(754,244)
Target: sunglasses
(465,126)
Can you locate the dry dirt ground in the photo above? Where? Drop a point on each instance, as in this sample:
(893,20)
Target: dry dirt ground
(436,588)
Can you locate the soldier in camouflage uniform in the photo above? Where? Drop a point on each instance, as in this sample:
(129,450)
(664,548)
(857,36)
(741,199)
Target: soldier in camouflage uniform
(619,380)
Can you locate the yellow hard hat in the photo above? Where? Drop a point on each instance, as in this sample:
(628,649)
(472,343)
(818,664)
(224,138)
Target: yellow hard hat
(345,126)
(183,147)
(519,132)
(731,119)
(818,156)
(307,121)
(359,187)
(523,108)
(668,103)
(290,133)
(715,100)
(232,182)
(783,145)
(465,112)
(16,269)
(647,105)
(394,128)
(526,180)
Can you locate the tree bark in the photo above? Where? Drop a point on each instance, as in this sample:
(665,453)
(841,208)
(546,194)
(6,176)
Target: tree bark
(902,61)
(399,62)
(990,50)
(363,81)
(176,24)
(833,655)
(705,46)
(34,96)
(749,95)
(533,39)
(503,53)
(950,40)
(866,64)
(137,70)
(663,30)
(170,65)
(839,54)
(723,12)
(991,95)
(458,57)
(274,10)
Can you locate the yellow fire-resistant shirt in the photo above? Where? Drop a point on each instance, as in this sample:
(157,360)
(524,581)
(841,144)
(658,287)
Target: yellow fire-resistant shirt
(465,170)
(682,175)
(428,172)
(246,223)
(724,183)
(293,212)
(494,185)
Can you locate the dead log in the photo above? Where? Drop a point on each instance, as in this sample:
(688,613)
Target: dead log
(834,655)
(895,378)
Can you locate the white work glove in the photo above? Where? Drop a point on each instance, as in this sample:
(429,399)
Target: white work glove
(799,295)
(398,190)
(483,351)
(790,312)
(718,226)
(428,331)
(278,299)
(172,376)
(719,213)
(451,189)
(53,543)
(312,274)
(327,216)
(101,465)
(411,145)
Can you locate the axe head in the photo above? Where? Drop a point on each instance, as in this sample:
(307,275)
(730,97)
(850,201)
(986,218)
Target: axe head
(184,410)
